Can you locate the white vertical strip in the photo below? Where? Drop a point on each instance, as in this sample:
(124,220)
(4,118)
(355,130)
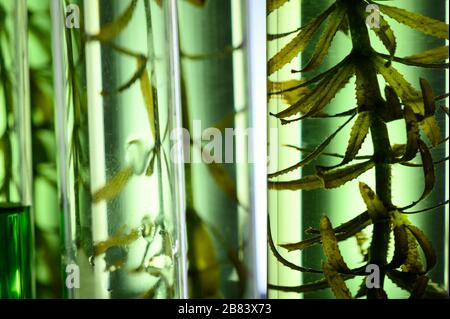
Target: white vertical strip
(256,61)
(178,162)
(96,140)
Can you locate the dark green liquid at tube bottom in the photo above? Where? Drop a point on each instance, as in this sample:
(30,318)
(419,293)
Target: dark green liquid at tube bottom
(15,252)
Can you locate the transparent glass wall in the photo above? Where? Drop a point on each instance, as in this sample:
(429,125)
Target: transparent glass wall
(122,226)
(296,208)
(215,114)
(16,231)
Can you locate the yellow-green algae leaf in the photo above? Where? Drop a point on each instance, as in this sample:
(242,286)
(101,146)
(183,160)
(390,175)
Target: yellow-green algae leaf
(331,247)
(114,186)
(417,22)
(333,23)
(298,44)
(336,282)
(386,35)
(112,29)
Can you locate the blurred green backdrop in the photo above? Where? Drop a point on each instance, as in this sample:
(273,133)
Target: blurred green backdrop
(45,196)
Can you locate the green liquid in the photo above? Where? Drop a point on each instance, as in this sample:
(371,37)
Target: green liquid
(15,252)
